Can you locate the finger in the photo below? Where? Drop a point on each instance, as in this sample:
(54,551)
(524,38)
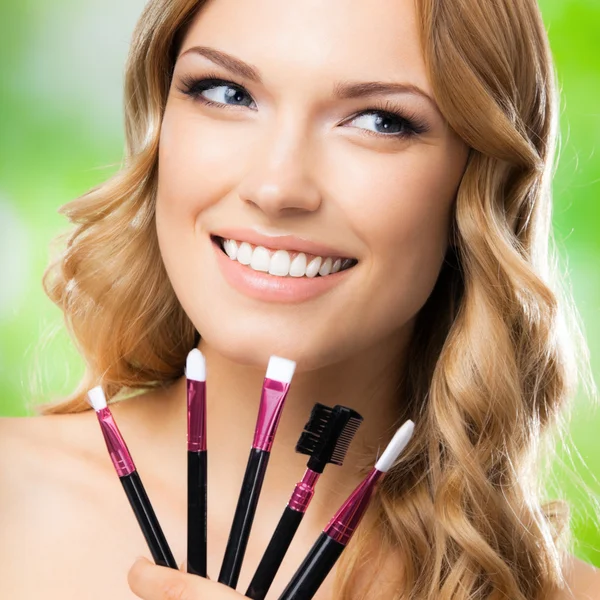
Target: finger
(151,582)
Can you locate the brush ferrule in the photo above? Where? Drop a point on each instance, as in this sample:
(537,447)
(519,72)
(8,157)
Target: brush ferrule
(348,517)
(117,449)
(304,491)
(269,413)
(196,397)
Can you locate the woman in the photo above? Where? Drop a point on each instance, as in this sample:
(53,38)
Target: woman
(415,139)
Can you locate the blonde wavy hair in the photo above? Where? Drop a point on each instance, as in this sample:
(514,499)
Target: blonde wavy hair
(491,369)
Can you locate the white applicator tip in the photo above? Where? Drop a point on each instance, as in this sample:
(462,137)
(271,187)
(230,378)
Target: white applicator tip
(280,369)
(395,447)
(96,398)
(195,367)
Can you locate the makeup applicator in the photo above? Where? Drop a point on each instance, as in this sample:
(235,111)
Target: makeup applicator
(132,484)
(195,373)
(275,388)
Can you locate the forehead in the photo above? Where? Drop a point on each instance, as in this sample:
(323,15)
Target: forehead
(292,42)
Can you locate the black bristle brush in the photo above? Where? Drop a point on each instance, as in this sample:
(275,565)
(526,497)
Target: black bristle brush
(326,438)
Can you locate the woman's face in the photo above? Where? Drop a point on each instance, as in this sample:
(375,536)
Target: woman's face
(299,142)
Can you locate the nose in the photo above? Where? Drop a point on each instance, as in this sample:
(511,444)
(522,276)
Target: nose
(280,180)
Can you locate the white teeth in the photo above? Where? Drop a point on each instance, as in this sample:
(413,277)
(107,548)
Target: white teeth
(231,248)
(244,254)
(313,267)
(298,266)
(326,267)
(260,259)
(337,265)
(280,263)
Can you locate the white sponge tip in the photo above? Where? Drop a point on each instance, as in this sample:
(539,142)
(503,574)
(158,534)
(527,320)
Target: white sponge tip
(96,398)
(280,369)
(395,447)
(195,367)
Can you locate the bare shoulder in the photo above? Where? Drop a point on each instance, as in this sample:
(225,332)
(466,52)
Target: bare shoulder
(42,453)
(57,465)
(23,438)
(58,492)
(33,441)
(583,581)
(47,464)
(48,496)
(56,450)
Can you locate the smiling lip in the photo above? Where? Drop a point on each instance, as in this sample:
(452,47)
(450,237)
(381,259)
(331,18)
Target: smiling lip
(272,288)
(290,243)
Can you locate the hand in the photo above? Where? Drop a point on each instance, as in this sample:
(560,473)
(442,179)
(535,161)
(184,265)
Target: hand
(151,582)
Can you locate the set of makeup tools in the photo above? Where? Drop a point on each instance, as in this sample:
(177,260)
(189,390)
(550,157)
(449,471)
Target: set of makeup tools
(325,439)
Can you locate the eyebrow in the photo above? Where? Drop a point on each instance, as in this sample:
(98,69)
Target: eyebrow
(342,90)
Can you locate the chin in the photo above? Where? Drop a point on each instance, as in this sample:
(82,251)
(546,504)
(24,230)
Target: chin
(253,341)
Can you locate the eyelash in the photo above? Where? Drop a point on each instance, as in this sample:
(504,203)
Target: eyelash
(412,124)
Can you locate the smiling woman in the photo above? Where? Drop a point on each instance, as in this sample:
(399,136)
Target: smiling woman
(363,188)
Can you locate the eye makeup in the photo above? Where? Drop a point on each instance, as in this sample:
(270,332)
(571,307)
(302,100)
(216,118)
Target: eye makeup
(406,123)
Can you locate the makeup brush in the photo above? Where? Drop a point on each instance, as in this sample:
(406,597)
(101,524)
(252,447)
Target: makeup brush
(132,484)
(195,373)
(275,388)
(326,438)
(335,537)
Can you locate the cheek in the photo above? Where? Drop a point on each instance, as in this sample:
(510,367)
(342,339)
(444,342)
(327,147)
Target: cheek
(191,177)
(401,209)
(185,162)
(195,166)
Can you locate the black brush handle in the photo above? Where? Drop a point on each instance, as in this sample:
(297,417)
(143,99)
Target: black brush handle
(274,554)
(314,569)
(243,518)
(159,548)
(197,513)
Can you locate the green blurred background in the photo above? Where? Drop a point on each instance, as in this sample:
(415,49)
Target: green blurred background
(61,66)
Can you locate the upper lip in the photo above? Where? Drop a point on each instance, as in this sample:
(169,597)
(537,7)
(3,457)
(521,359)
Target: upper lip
(279,242)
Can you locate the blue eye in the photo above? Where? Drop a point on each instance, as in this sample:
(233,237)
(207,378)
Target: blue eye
(216,92)
(392,124)
(389,124)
